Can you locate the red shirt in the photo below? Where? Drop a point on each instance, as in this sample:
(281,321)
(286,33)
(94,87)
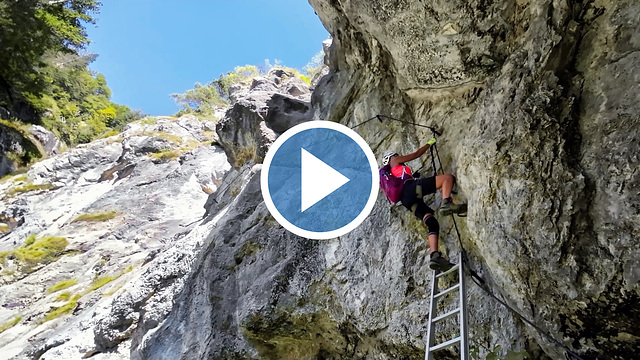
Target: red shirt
(400,171)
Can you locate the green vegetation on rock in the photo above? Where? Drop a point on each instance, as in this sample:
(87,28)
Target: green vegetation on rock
(65,309)
(314,66)
(296,73)
(174,154)
(238,75)
(110,134)
(166,136)
(16,176)
(30,240)
(204,99)
(31,150)
(284,335)
(36,252)
(168,155)
(96,217)
(63,296)
(64,284)
(244,154)
(29,188)
(104,280)
(44,74)
(9,324)
(22,177)
(249,248)
(149,120)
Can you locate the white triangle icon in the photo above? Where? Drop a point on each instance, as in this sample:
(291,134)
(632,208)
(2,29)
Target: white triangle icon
(318,180)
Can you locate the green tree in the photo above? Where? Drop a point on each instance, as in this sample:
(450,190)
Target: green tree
(43,76)
(203,99)
(239,74)
(75,103)
(315,65)
(30,28)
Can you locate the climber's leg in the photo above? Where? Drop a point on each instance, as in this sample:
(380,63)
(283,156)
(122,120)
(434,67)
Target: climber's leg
(434,230)
(436,260)
(447,207)
(445,183)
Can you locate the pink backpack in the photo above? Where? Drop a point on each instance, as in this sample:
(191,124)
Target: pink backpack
(390,185)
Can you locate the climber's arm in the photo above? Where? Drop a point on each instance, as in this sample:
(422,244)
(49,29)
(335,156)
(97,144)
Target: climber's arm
(397,160)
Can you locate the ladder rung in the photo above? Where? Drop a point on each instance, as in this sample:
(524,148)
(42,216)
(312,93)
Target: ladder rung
(454,268)
(445,344)
(445,292)
(450,313)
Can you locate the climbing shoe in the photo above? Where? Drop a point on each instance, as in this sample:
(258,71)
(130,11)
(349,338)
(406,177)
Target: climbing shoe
(448,207)
(438,262)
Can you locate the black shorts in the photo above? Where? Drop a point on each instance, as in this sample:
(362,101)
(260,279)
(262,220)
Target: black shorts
(410,196)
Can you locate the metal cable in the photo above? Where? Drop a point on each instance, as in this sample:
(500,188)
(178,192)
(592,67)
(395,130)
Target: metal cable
(379,117)
(366,121)
(478,280)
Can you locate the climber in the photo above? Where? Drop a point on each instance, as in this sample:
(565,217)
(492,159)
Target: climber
(413,190)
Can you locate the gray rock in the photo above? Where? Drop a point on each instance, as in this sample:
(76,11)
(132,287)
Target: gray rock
(527,110)
(285,112)
(51,144)
(16,144)
(17,147)
(326,48)
(260,113)
(262,84)
(296,87)
(157,203)
(538,108)
(243,135)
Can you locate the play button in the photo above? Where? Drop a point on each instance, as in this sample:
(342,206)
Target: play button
(319,180)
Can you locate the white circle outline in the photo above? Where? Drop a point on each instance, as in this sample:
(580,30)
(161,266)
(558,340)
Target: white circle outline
(264,180)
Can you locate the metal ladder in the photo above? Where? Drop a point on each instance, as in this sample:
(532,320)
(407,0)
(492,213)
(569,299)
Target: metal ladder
(462,339)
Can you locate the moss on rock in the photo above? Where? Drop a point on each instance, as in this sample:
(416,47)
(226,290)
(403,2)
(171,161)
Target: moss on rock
(64,284)
(65,309)
(36,252)
(97,217)
(9,324)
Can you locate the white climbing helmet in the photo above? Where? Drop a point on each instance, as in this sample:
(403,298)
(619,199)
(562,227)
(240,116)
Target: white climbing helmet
(387,156)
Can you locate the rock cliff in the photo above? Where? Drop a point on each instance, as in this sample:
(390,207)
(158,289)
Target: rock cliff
(22,144)
(538,105)
(94,218)
(537,102)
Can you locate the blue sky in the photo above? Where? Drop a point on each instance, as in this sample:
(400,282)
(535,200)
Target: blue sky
(149,49)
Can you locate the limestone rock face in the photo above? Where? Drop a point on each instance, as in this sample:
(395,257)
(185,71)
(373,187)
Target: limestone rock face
(149,185)
(261,112)
(49,141)
(543,145)
(19,145)
(538,104)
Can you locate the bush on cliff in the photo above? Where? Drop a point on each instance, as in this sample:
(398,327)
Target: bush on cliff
(45,80)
